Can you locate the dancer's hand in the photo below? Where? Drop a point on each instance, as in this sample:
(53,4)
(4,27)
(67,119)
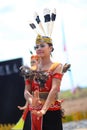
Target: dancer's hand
(33,100)
(36,100)
(22,107)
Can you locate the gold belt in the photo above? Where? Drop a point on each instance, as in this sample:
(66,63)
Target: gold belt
(43,97)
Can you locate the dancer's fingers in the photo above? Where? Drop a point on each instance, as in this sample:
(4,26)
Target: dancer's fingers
(36,94)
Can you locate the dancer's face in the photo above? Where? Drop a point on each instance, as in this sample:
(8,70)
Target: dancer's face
(43,49)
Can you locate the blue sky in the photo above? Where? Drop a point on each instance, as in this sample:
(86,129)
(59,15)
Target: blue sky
(16,37)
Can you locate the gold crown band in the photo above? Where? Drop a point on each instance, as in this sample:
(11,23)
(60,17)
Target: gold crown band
(40,39)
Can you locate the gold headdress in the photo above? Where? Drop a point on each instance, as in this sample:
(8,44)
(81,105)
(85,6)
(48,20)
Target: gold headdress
(49,18)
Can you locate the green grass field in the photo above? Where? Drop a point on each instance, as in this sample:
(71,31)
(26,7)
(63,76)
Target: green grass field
(79,92)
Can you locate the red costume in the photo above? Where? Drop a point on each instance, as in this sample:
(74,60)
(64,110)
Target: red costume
(37,122)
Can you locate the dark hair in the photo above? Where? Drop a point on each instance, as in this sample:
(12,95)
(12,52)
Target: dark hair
(50,44)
